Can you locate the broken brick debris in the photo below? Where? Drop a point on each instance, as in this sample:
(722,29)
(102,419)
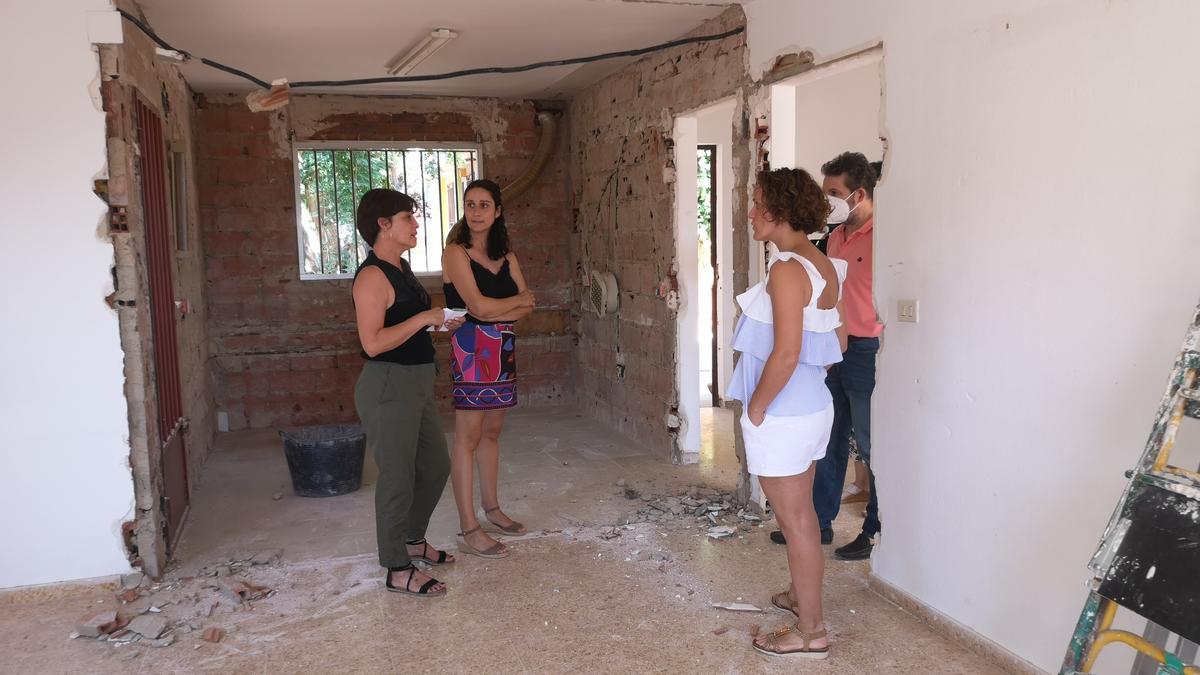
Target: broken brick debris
(242,591)
(268,557)
(148,626)
(98,623)
(737,606)
(160,642)
(213,634)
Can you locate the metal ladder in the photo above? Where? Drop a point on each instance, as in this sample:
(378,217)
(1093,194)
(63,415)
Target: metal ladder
(1148,560)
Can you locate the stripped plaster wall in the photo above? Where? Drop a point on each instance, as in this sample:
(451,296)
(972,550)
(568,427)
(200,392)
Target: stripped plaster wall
(285,350)
(66,487)
(1039,202)
(130,72)
(623,203)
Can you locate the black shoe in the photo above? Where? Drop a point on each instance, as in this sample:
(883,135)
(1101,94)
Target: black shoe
(859,549)
(826,536)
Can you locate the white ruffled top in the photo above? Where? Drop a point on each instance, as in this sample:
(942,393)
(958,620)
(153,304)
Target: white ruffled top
(805,393)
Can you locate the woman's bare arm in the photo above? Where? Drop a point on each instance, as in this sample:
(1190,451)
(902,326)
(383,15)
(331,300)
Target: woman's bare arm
(522,289)
(373,294)
(457,266)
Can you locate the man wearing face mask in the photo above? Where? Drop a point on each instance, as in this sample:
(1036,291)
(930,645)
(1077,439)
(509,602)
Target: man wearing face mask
(850,184)
(857,219)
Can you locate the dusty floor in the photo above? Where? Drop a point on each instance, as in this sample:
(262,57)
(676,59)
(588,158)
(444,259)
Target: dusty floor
(576,595)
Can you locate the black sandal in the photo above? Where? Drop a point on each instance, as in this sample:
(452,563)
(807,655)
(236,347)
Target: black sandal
(424,592)
(442,558)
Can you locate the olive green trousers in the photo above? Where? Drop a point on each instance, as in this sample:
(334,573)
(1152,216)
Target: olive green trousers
(399,414)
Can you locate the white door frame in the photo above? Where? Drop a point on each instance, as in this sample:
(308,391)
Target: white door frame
(687,352)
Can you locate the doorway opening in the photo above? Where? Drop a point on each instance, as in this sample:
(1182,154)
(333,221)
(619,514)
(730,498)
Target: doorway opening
(163,314)
(704,236)
(706,334)
(832,108)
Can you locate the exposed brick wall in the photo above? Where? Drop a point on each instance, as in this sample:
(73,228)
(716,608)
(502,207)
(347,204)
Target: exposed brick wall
(285,350)
(130,71)
(623,222)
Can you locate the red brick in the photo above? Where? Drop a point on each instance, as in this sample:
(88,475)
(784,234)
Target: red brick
(313,362)
(98,623)
(238,171)
(230,244)
(241,118)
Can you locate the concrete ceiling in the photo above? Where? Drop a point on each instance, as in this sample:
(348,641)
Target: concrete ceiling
(332,40)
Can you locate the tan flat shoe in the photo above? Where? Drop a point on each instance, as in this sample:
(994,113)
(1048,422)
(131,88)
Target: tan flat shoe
(499,550)
(516,529)
(770,645)
(782,601)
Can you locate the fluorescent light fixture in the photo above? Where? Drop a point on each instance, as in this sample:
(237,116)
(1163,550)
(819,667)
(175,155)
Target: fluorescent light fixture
(404,63)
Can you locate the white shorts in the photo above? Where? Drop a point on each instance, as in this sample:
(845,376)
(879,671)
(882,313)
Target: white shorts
(786,446)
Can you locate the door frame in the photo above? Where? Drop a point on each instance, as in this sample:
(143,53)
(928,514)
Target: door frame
(715,261)
(174,496)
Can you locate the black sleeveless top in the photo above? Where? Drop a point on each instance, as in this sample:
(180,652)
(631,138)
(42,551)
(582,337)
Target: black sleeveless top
(411,299)
(499,286)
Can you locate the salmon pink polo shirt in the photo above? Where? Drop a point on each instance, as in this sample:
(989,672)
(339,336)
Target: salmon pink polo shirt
(858,301)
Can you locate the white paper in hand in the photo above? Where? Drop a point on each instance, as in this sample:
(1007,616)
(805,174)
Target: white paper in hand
(449,315)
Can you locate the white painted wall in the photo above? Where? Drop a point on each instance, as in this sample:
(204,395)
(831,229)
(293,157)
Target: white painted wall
(687,366)
(65,487)
(1040,203)
(837,110)
(715,127)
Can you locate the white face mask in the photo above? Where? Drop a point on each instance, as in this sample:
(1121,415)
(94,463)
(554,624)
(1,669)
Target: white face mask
(840,211)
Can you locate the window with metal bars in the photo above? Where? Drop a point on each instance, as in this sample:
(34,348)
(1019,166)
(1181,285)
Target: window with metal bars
(332,176)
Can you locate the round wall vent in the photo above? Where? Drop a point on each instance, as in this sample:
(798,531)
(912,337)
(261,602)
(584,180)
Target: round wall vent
(602,293)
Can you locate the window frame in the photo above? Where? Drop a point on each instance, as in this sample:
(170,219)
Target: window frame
(179,194)
(298,146)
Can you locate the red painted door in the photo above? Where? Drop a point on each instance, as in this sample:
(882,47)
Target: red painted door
(163,315)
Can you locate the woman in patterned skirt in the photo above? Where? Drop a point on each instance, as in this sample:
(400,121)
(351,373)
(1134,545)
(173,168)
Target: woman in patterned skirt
(481,274)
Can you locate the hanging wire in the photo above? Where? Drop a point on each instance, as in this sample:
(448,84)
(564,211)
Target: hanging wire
(440,76)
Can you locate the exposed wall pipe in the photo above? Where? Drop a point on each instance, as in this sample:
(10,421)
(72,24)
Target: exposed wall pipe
(548,121)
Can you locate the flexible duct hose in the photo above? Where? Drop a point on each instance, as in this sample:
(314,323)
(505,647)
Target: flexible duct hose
(548,121)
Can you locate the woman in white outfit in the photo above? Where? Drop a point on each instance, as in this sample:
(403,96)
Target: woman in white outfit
(787,335)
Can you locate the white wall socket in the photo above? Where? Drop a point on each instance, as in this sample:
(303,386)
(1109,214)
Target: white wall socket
(907,310)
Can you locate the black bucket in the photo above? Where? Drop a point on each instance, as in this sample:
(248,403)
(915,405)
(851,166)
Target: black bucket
(325,461)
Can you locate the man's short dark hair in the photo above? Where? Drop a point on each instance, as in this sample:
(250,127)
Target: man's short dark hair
(856,171)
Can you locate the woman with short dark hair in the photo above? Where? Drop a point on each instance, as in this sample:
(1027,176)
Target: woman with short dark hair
(394,396)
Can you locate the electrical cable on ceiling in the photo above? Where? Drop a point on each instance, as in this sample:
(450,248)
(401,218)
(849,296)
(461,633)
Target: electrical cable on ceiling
(211,64)
(441,76)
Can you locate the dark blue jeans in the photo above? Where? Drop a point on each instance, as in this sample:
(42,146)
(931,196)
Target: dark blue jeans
(850,383)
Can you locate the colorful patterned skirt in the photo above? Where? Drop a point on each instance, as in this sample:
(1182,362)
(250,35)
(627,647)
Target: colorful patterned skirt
(484,366)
